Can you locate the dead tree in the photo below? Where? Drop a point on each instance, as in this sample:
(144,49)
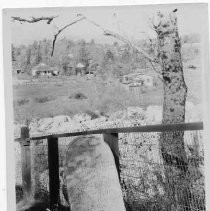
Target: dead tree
(175,93)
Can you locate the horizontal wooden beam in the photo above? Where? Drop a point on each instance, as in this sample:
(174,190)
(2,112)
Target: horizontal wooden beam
(137,129)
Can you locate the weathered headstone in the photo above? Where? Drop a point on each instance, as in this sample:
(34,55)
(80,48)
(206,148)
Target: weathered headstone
(91,175)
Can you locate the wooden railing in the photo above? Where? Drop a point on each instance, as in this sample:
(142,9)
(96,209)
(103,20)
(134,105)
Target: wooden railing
(110,137)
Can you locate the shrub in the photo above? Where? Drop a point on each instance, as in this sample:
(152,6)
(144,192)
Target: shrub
(19,193)
(22,102)
(42,99)
(92,114)
(78,96)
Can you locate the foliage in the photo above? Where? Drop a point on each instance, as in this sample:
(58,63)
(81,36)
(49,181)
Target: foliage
(43,99)
(68,53)
(83,53)
(22,102)
(78,96)
(110,59)
(93,114)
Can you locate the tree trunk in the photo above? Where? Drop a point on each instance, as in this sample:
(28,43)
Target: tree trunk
(175,92)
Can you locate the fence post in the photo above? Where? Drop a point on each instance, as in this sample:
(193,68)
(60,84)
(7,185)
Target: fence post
(53,163)
(112,140)
(26,163)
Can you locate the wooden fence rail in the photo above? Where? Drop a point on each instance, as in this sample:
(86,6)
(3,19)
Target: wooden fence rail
(110,137)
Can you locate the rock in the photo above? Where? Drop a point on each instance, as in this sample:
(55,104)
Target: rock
(193,112)
(33,125)
(81,117)
(92,179)
(129,113)
(132,111)
(57,124)
(44,124)
(153,115)
(61,119)
(117,115)
(94,123)
(61,127)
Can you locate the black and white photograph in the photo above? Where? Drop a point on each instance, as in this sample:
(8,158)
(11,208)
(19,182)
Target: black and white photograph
(108,106)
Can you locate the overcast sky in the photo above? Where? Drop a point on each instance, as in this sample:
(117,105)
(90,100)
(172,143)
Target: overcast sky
(130,21)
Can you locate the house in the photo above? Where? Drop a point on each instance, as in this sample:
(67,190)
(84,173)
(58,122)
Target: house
(138,79)
(55,72)
(145,80)
(80,69)
(44,70)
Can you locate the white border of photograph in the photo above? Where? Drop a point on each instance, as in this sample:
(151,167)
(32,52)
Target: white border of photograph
(7,179)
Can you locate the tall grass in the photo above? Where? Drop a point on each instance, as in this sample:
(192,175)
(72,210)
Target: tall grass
(43,99)
(80,96)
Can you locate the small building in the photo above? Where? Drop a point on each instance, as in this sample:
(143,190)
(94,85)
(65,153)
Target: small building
(80,69)
(44,70)
(144,80)
(137,79)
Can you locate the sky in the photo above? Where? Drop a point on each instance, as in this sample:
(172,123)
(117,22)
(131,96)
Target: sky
(130,21)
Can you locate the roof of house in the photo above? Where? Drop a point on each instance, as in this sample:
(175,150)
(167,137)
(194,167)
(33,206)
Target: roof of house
(80,65)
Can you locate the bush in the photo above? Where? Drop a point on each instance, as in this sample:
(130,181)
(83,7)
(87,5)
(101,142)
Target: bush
(42,99)
(19,193)
(22,102)
(78,96)
(92,114)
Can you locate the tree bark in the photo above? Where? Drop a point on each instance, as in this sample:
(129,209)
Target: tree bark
(175,92)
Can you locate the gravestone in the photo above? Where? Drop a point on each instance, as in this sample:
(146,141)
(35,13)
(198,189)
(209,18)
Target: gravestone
(91,176)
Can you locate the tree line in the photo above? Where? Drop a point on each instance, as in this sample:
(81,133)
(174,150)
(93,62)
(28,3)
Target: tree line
(115,59)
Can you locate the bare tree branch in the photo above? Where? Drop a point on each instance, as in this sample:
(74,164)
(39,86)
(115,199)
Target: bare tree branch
(49,20)
(34,20)
(157,71)
(121,38)
(60,30)
(105,31)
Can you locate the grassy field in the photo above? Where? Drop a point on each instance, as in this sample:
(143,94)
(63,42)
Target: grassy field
(76,94)
(70,95)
